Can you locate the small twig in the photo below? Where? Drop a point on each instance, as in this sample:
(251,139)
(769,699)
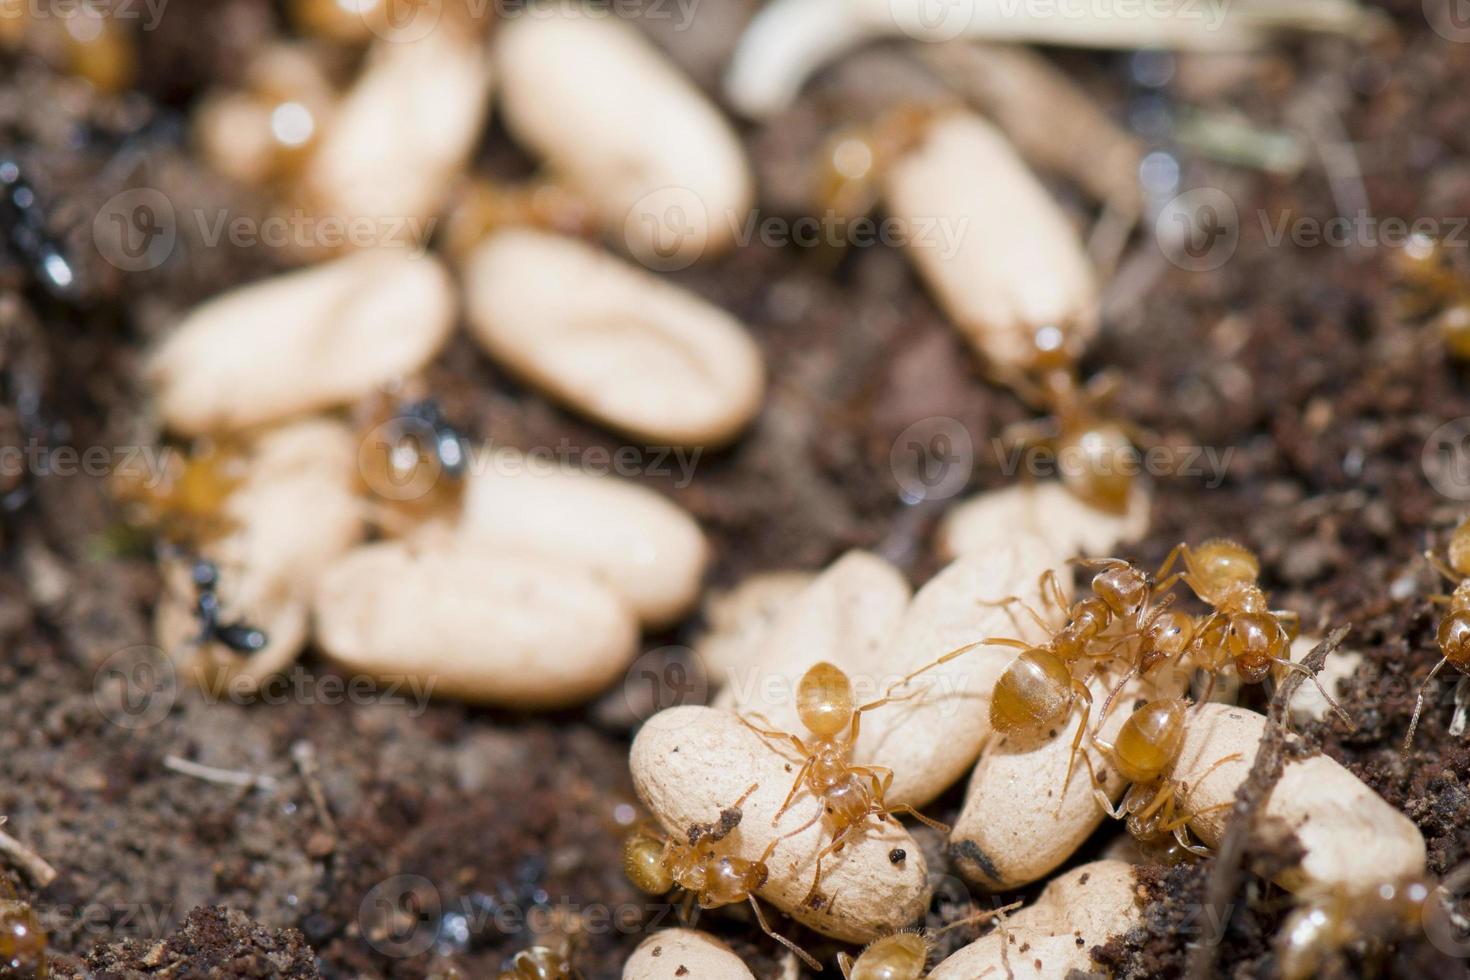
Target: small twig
(26,860)
(1267,768)
(303,753)
(213,774)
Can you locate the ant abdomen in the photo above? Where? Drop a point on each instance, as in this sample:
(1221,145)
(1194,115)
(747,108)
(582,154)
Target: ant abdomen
(1034,691)
(824,700)
(901,956)
(1149,739)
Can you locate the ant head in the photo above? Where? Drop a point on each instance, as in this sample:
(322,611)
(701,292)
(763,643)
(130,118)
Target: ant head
(1454,639)
(1150,739)
(643,863)
(1255,641)
(1124,587)
(824,700)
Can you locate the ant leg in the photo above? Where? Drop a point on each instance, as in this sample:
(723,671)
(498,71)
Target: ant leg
(1015,600)
(760,919)
(1179,550)
(946,658)
(1232,757)
(929,822)
(771,733)
(1108,704)
(1079,690)
(1051,589)
(1439,566)
(771,847)
(1097,791)
(795,788)
(1419,704)
(1347,719)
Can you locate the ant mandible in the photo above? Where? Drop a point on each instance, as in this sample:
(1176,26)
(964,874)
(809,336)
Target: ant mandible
(657,863)
(849,793)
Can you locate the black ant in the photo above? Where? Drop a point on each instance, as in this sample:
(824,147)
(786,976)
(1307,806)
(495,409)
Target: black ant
(237,636)
(25,232)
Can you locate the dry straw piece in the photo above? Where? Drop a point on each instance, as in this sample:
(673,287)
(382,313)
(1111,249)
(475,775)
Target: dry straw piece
(632,539)
(684,954)
(788,40)
(642,356)
(1048,510)
(1075,912)
(478,625)
(690,763)
(296,512)
(1351,837)
(402,133)
(615,119)
(1016,264)
(930,740)
(303,341)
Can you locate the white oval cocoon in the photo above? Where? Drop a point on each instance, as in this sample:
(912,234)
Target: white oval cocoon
(1307,704)
(635,541)
(1000,256)
(296,512)
(614,342)
(401,135)
(691,762)
(1077,911)
(1019,822)
(512,631)
(1353,839)
(847,616)
(684,954)
(741,618)
(1047,510)
(611,115)
(303,341)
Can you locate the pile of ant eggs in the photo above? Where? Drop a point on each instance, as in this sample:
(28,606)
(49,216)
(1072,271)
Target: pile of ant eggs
(327,501)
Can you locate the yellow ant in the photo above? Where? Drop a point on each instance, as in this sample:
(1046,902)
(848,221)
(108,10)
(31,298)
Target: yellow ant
(1331,920)
(905,955)
(1145,749)
(1243,629)
(1453,634)
(849,793)
(657,864)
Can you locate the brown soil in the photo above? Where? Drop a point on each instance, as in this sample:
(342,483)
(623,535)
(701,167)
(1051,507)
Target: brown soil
(460,825)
